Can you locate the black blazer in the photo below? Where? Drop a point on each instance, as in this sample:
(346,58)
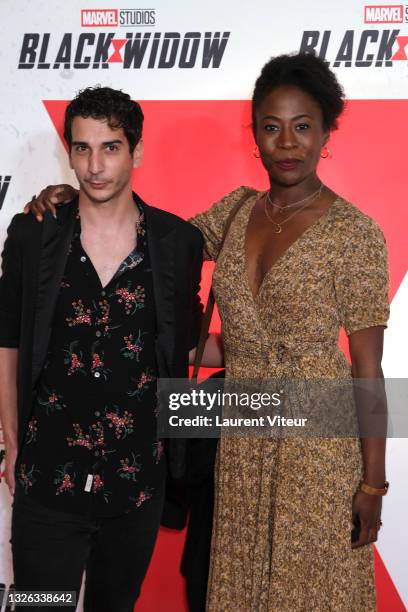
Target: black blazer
(34,259)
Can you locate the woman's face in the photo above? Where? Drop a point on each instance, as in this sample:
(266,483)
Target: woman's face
(290,135)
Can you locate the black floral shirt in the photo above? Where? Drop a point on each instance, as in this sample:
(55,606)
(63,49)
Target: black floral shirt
(91,443)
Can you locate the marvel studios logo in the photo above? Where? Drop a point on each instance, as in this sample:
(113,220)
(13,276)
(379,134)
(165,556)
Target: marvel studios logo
(122,18)
(385,13)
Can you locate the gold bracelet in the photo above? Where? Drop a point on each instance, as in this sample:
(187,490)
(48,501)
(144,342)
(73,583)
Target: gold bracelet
(373,490)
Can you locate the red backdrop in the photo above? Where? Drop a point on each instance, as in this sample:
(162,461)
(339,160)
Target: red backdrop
(196,151)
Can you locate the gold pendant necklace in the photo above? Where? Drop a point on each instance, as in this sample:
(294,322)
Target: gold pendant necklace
(278,226)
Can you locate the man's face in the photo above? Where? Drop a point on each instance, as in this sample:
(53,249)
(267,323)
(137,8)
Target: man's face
(101,159)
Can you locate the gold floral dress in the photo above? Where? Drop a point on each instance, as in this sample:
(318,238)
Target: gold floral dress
(282,519)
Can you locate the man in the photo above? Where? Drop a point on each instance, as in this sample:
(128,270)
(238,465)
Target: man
(95,304)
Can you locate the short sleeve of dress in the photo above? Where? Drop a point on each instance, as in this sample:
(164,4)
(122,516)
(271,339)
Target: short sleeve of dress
(212,222)
(362,280)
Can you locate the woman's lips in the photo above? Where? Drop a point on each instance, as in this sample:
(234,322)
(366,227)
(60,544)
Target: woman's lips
(288,164)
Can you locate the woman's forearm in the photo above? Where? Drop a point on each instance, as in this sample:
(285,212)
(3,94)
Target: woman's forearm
(213,356)
(374,461)
(371,402)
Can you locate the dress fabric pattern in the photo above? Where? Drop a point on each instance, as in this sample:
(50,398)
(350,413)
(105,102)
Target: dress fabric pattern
(282,517)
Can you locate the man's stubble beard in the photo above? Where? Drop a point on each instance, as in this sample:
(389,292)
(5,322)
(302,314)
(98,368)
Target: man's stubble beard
(103,198)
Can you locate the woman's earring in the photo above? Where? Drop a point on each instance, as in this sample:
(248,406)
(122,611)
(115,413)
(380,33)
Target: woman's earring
(255,152)
(325,153)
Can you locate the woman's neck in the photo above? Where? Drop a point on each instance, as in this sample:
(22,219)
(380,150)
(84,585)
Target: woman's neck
(285,195)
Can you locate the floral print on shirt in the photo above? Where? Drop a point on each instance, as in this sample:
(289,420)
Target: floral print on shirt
(98,487)
(73,359)
(143,497)
(133,346)
(26,477)
(82,315)
(122,425)
(64,479)
(128,470)
(31,433)
(92,435)
(52,401)
(142,384)
(132,300)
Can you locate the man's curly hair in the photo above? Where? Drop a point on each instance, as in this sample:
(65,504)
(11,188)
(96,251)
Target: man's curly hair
(110,104)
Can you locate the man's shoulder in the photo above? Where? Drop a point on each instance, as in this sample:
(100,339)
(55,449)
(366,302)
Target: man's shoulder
(174,222)
(24,227)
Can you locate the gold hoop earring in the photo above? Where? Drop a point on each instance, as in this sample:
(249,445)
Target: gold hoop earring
(325,153)
(255,152)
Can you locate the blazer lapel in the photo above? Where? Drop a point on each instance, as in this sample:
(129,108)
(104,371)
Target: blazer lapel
(161,245)
(55,243)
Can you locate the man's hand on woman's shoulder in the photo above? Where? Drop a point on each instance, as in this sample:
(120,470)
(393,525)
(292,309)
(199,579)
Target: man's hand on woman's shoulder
(48,199)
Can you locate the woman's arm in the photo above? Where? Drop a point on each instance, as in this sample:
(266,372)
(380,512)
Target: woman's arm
(213,356)
(366,347)
(48,199)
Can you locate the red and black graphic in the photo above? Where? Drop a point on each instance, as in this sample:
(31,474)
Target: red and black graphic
(4,185)
(161,50)
(401,53)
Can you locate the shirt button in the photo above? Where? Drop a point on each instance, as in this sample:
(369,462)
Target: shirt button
(83,258)
(98,334)
(97,374)
(103,293)
(97,413)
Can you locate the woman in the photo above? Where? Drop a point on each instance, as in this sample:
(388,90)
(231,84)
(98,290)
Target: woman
(299,262)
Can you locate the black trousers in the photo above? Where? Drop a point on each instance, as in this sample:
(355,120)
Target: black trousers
(51,549)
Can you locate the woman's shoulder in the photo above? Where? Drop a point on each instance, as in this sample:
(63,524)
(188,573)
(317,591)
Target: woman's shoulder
(227,202)
(212,222)
(218,212)
(354,222)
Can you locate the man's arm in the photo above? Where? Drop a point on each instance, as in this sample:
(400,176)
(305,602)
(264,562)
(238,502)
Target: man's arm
(8,409)
(10,321)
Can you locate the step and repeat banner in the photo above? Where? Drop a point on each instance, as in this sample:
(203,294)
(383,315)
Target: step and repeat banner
(193,66)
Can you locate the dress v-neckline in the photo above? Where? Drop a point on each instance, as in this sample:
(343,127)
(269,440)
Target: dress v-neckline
(292,246)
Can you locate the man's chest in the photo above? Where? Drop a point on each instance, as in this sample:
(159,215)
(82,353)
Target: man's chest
(107,253)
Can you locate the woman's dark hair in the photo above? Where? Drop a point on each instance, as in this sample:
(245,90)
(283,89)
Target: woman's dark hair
(110,104)
(310,74)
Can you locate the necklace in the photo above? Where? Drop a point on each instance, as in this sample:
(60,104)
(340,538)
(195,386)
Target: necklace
(293,204)
(308,200)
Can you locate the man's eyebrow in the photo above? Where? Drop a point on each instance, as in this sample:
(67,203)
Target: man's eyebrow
(111,142)
(105,144)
